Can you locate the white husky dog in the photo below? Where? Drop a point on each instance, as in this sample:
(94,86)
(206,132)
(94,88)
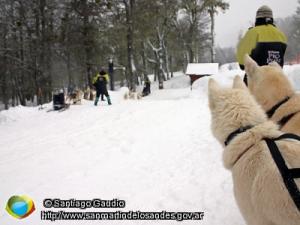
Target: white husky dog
(241,126)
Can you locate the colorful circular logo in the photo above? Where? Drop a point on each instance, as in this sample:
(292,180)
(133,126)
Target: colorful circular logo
(20,206)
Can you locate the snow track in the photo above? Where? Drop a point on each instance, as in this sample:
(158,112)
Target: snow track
(157,154)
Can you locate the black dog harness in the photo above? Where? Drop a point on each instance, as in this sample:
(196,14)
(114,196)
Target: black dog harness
(286,118)
(271,111)
(288,175)
(236,132)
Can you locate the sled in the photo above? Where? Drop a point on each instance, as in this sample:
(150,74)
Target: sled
(59,103)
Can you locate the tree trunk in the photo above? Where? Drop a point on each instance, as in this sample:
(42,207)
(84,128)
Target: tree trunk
(38,51)
(190,58)
(160,59)
(171,66)
(14,68)
(186,60)
(212,33)
(43,69)
(143,54)
(21,53)
(49,56)
(166,59)
(87,47)
(129,6)
(70,77)
(3,71)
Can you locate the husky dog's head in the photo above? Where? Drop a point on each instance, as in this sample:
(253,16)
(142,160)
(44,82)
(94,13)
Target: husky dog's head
(268,83)
(232,109)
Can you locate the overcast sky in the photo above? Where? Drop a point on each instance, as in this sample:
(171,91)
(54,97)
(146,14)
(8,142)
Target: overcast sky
(241,15)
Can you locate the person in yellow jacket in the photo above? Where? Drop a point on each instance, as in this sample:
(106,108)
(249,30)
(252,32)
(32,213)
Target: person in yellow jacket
(100,83)
(265,43)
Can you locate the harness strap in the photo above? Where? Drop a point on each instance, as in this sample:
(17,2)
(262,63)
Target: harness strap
(295,173)
(288,175)
(271,111)
(285,119)
(287,136)
(236,132)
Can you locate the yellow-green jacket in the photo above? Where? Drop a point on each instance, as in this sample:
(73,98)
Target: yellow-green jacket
(264,43)
(97,76)
(100,81)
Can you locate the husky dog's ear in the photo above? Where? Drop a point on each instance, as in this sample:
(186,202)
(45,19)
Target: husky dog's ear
(250,65)
(274,64)
(213,86)
(238,83)
(213,91)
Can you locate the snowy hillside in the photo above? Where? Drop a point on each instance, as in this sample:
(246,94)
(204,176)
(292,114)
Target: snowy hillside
(156,154)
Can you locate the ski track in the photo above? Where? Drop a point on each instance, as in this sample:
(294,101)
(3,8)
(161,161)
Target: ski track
(157,154)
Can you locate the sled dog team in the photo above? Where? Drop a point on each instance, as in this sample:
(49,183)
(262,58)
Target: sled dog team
(258,127)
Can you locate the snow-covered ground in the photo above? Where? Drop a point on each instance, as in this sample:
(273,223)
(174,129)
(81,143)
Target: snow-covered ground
(156,154)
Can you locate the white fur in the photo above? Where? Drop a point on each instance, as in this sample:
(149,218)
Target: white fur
(258,186)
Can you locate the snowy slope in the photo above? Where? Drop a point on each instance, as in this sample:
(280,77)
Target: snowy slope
(157,154)
(293,73)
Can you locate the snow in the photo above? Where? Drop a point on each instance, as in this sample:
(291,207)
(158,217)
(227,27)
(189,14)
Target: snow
(229,66)
(293,73)
(202,68)
(156,154)
(228,71)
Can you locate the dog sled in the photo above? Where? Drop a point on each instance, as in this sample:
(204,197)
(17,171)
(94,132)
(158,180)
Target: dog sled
(59,102)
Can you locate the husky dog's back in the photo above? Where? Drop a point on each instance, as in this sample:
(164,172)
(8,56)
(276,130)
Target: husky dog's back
(273,91)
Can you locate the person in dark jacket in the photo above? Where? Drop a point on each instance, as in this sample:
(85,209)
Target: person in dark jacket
(147,87)
(100,83)
(265,43)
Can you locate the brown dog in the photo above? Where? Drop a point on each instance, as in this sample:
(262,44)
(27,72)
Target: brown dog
(275,94)
(75,97)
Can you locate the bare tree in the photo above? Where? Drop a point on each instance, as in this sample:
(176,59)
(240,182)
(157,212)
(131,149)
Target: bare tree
(213,6)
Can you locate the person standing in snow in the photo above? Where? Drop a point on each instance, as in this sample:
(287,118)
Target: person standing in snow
(100,83)
(265,43)
(147,87)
